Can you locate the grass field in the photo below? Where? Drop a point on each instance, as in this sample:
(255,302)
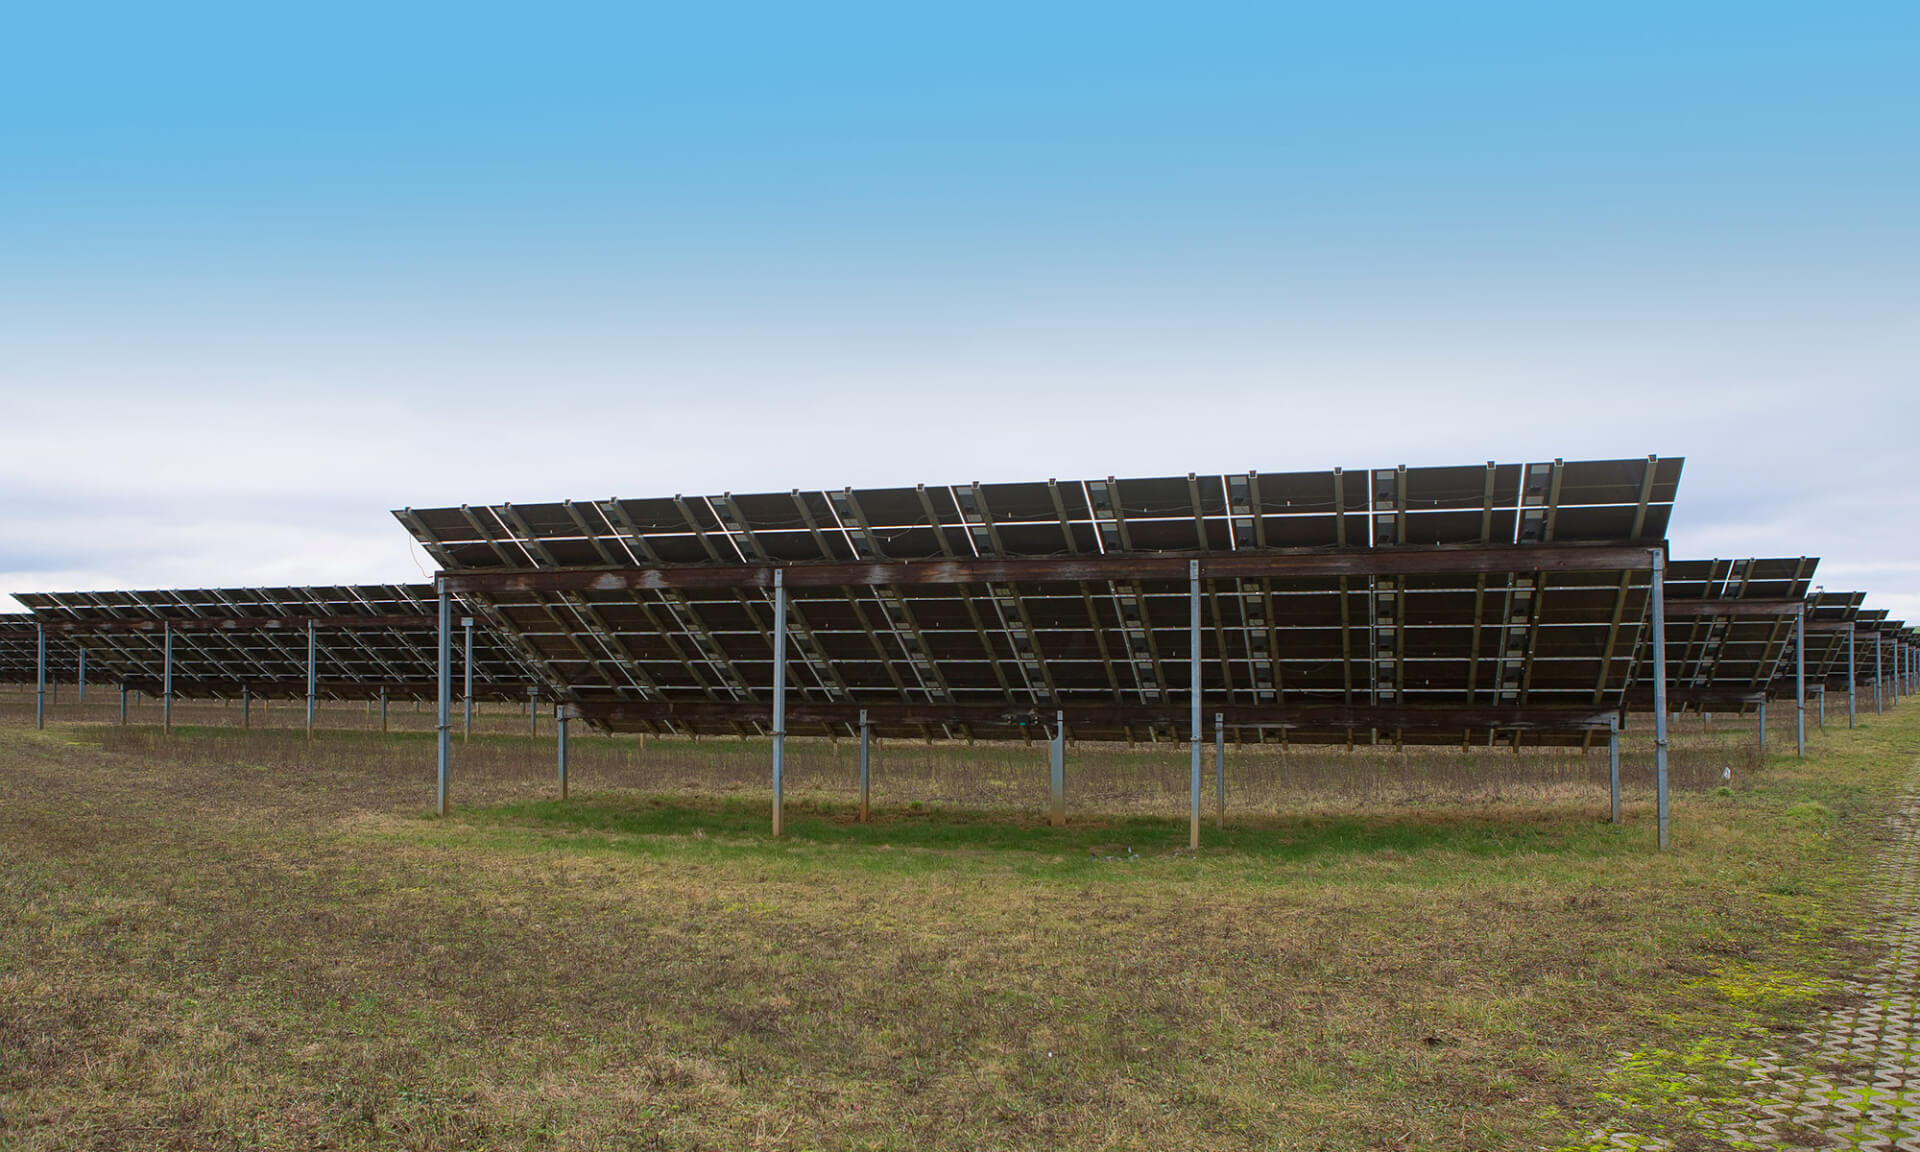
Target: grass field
(227,939)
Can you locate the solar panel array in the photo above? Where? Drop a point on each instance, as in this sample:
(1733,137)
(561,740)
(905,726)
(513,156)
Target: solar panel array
(983,657)
(1721,654)
(20,653)
(1830,622)
(367,639)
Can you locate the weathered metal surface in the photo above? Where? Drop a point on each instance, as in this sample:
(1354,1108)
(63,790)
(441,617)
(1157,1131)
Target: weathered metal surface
(1434,560)
(292,624)
(638,714)
(1771,609)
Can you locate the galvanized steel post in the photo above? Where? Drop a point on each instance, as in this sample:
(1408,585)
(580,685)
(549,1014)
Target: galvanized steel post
(1057,772)
(443,741)
(1879,675)
(560,725)
(1613,764)
(80,688)
(866,766)
(123,704)
(383,708)
(779,697)
(312,662)
(1660,691)
(166,678)
(466,732)
(1853,676)
(1800,679)
(1193,676)
(533,705)
(1220,768)
(40,679)
(1820,694)
(1763,729)
(246,707)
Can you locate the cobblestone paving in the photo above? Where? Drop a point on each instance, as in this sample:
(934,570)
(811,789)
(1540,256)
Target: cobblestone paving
(1852,1081)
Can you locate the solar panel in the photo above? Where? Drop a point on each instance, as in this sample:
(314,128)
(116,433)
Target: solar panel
(20,653)
(1730,630)
(366,638)
(1830,621)
(1398,599)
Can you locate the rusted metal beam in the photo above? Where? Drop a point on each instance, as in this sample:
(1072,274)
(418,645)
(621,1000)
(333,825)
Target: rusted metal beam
(1575,718)
(1699,609)
(1439,559)
(293,688)
(1708,697)
(242,623)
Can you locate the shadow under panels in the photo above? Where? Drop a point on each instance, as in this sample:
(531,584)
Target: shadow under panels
(1103,634)
(367,638)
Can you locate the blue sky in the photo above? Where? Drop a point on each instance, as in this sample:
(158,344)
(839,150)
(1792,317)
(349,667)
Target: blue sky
(266,274)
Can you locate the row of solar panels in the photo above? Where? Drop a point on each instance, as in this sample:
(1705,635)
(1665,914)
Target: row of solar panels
(364,639)
(658,614)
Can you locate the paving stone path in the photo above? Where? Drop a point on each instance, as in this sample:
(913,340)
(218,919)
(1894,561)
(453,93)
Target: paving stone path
(1853,1080)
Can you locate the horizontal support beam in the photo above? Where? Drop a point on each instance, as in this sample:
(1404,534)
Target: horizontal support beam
(1640,697)
(244,624)
(1439,560)
(1696,609)
(422,689)
(1332,716)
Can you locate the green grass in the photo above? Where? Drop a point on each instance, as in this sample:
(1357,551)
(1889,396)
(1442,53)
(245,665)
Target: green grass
(238,940)
(637,822)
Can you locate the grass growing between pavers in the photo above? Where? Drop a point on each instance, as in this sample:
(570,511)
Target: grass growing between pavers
(238,942)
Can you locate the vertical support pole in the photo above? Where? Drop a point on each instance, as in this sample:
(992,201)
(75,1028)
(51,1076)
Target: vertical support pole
(779,699)
(80,689)
(312,652)
(1220,768)
(1763,729)
(383,709)
(1820,692)
(560,747)
(866,767)
(166,678)
(1193,676)
(123,704)
(466,732)
(40,679)
(533,715)
(246,706)
(1853,676)
(1613,764)
(1800,680)
(443,726)
(1660,690)
(1879,676)
(1057,772)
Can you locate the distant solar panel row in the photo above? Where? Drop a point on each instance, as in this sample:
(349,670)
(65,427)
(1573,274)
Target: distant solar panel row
(1730,629)
(20,652)
(366,639)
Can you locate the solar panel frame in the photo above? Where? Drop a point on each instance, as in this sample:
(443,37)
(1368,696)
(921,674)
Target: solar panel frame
(1382,640)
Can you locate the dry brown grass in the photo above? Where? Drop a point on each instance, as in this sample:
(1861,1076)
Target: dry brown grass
(228,940)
